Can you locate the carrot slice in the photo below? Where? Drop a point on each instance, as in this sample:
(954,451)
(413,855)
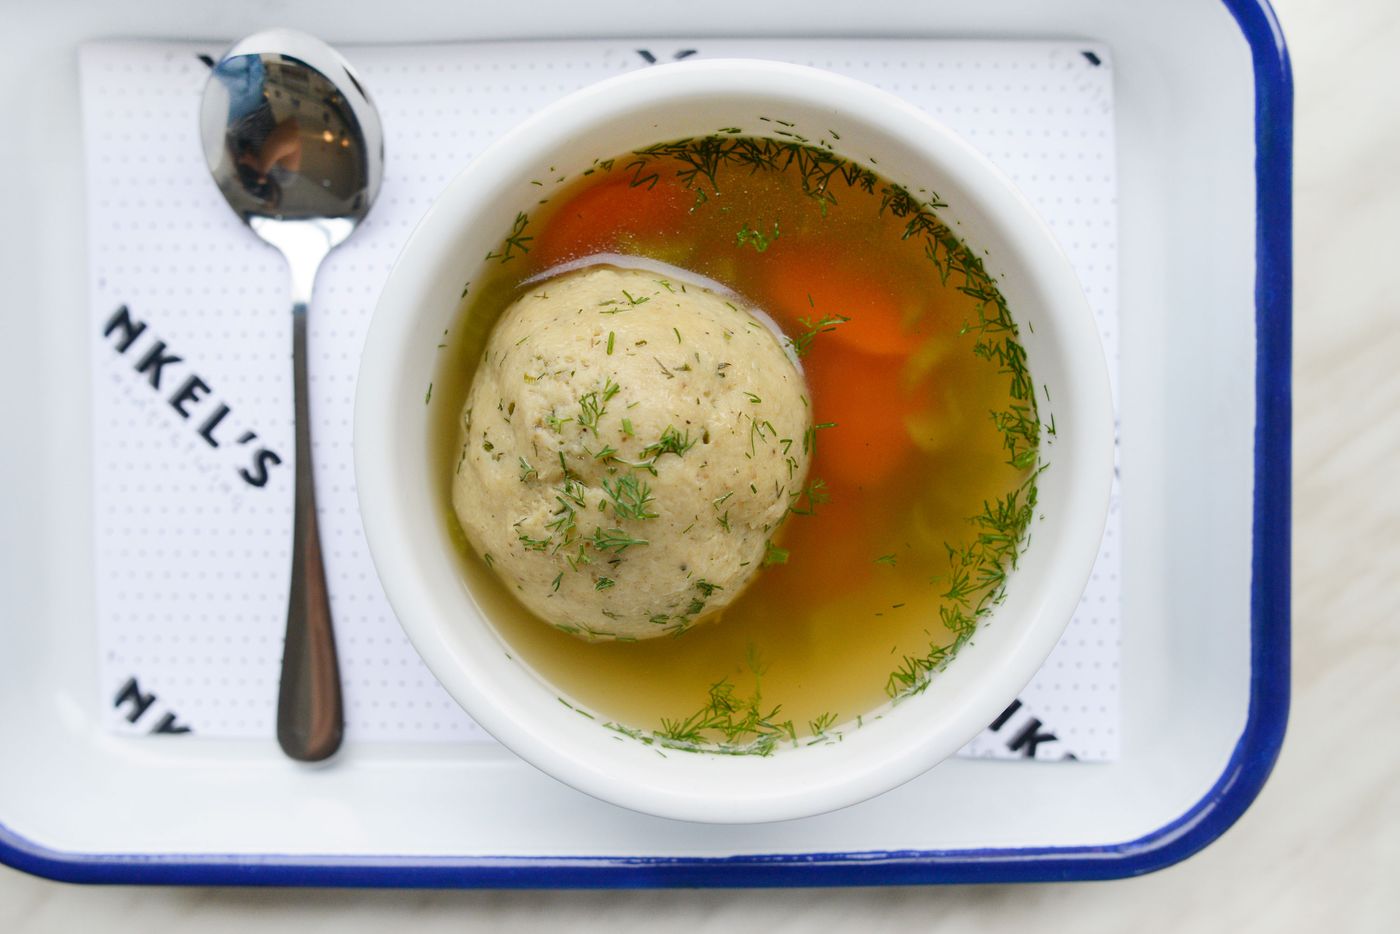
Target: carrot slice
(602,217)
(862,394)
(821,561)
(817,283)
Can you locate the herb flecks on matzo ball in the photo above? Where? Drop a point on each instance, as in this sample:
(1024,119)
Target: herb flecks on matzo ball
(630,445)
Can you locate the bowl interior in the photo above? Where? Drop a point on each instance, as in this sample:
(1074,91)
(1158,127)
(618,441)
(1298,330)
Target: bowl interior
(406,526)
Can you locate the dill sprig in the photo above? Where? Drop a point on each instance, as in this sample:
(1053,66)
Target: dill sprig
(809,437)
(594,405)
(533,544)
(755,237)
(806,500)
(571,497)
(563,523)
(629,497)
(614,540)
(819,726)
(515,243)
(670,442)
(975,582)
(707,588)
(729,723)
(803,342)
(732,723)
(819,170)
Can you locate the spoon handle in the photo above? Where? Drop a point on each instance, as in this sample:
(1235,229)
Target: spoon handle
(310,715)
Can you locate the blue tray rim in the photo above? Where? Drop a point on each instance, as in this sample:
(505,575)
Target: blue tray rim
(1233,792)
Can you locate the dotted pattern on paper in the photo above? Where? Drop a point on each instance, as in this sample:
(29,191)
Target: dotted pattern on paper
(192,561)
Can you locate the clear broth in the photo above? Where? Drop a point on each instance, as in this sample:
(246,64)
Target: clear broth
(818,637)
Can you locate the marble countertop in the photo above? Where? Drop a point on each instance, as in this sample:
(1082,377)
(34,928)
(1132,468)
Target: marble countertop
(1321,846)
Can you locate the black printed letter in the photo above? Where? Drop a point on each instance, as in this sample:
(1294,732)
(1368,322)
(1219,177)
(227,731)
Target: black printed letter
(156,358)
(190,391)
(206,431)
(1005,715)
(261,461)
(131,330)
(167,724)
(1028,739)
(131,691)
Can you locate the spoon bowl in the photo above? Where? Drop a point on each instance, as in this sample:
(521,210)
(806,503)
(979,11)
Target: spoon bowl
(296,147)
(290,133)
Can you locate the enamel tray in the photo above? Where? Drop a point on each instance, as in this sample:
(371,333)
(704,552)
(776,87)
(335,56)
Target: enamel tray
(1204,103)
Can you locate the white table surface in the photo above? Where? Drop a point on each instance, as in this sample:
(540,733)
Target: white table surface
(1319,850)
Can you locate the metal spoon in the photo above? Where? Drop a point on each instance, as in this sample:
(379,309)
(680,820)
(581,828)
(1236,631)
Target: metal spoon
(295,145)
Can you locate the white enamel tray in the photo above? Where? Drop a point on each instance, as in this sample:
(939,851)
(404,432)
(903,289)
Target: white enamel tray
(1204,111)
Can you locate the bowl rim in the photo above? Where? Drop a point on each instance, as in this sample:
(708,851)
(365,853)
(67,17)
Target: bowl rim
(738,797)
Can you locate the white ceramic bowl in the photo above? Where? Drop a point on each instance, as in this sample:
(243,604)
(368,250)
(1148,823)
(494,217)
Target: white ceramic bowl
(404,521)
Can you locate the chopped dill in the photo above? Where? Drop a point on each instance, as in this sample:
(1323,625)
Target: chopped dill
(574,492)
(772,554)
(594,405)
(614,540)
(728,723)
(515,243)
(755,237)
(629,497)
(809,437)
(975,582)
(803,342)
(564,522)
(670,442)
(806,500)
(533,544)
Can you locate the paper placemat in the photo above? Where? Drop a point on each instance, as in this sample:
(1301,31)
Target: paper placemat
(190,330)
